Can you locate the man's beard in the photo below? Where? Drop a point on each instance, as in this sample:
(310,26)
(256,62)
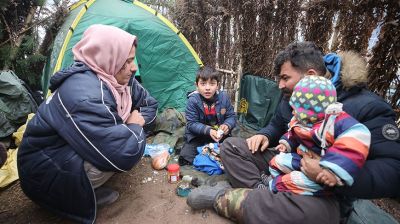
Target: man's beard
(287,93)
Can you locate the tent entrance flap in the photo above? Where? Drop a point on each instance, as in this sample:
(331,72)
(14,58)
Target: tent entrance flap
(258,100)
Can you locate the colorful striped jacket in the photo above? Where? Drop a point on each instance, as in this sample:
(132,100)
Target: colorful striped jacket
(347,144)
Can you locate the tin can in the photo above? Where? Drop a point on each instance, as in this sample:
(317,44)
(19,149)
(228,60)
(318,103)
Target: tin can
(173,173)
(184,186)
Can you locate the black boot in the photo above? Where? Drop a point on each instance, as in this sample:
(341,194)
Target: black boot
(105,196)
(204,196)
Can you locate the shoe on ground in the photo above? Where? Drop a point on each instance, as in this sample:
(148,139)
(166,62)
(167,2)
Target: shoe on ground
(105,196)
(204,196)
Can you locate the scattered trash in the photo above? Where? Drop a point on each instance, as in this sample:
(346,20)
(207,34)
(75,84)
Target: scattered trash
(204,213)
(208,160)
(147,179)
(183,189)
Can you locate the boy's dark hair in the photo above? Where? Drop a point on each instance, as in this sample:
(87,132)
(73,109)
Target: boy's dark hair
(207,73)
(303,56)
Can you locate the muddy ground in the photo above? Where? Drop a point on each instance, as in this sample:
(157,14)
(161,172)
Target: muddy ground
(145,197)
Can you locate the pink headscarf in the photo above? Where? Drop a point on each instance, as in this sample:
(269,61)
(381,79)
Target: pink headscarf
(105,49)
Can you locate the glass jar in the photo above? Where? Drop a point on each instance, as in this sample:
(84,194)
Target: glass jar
(173,173)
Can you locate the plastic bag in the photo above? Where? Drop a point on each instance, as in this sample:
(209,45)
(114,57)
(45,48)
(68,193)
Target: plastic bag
(153,150)
(159,154)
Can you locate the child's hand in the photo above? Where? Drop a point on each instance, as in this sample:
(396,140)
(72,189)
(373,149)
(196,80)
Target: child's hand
(327,178)
(281,148)
(214,135)
(224,128)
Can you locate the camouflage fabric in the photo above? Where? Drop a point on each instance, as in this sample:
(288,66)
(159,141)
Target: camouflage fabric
(229,204)
(170,139)
(200,178)
(170,128)
(169,121)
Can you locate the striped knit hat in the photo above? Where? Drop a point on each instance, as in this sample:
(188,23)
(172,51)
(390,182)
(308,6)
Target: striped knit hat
(310,98)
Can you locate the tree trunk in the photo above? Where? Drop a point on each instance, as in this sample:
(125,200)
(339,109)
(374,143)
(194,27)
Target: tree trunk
(335,42)
(20,38)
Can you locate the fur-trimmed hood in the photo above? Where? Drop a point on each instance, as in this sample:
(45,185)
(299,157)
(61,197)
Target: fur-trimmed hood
(354,69)
(346,69)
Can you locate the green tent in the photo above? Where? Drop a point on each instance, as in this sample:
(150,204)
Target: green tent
(16,103)
(166,61)
(259,98)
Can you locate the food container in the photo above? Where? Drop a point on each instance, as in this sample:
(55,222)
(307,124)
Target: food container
(173,173)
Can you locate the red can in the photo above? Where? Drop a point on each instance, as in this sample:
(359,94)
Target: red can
(173,173)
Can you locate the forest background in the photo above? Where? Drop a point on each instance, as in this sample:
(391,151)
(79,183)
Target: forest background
(242,36)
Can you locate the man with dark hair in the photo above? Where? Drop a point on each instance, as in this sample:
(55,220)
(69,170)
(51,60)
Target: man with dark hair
(290,65)
(246,161)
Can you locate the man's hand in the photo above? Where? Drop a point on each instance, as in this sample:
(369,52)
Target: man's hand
(327,178)
(281,148)
(257,141)
(214,135)
(135,118)
(310,167)
(224,128)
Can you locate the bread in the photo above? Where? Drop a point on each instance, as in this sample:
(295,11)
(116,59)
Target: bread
(160,161)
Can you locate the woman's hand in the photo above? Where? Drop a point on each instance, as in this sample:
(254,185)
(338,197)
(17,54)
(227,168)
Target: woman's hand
(136,118)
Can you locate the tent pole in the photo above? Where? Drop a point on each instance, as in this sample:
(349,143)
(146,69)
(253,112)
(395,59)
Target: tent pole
(237,84)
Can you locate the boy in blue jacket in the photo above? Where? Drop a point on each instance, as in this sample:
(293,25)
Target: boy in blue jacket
(209,115)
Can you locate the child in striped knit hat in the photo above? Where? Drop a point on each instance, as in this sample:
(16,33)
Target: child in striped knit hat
(318,129)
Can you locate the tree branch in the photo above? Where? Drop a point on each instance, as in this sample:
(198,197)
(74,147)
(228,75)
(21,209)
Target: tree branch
(24,30)
(10,34)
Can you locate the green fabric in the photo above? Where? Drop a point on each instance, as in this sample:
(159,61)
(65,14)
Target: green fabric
(15,103)
(258,100)
(229,204)
(167,67)
(170,128)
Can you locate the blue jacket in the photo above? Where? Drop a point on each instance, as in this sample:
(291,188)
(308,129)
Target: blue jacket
(196,119)
(380,175)
(78,122)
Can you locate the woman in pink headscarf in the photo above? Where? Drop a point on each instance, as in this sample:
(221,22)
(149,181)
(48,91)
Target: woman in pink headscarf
(88,129)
